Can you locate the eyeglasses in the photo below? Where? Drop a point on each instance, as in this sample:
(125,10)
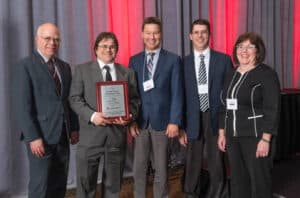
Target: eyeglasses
(110,47)
(48,39)
(248,47)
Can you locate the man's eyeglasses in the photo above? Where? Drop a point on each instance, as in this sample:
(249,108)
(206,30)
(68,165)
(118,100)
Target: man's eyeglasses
(48,39)
(247,47)
(110,47)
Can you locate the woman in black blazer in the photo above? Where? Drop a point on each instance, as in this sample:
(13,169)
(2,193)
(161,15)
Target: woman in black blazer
(249,119)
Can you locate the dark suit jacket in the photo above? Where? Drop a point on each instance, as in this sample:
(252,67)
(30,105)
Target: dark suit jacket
(39,110)
(218,65)
(163,104)
(83,101)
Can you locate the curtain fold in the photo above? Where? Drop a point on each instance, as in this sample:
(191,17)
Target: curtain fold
(81,21)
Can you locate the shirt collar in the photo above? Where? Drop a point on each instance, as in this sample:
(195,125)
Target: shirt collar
(44,58)
(206,52)
(102,64)
(157,51)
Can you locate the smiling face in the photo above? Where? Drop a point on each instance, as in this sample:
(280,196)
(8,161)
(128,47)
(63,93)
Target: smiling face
(48,40)
(246,53)
(151,36)
(106,50)
(200,37)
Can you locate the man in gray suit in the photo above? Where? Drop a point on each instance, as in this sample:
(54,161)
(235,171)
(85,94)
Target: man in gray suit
(41,87)
(100,136)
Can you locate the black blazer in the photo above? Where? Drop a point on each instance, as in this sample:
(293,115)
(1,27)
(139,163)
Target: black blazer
(258,96)
(218,65)
(40,112)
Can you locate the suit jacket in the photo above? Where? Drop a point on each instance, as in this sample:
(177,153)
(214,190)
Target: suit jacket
(164,103)
(218,65)
(39,110)
(83,101)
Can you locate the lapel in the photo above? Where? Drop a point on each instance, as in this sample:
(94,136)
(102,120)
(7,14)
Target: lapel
(43,67)
(120,72)
(96,73)
(191,72)
(160,63)
(211,67)
(60,67)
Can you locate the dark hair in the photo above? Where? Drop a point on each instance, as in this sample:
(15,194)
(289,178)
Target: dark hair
(106,35)
(200,22)
(152,20)
(254,39)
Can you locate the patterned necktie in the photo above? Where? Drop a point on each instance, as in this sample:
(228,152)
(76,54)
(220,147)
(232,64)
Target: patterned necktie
(54,75)
(202,79)
(108,76)
(149,65)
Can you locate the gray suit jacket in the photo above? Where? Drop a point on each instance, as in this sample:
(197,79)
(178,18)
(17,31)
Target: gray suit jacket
(39,110)
(83,101)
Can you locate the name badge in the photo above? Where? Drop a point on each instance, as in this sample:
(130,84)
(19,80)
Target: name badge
(203,89)
(231,104)
(148,85)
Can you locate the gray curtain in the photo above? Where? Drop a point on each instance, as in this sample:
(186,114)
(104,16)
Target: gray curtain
(20,18)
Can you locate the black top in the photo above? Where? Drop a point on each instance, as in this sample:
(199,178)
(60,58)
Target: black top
(258,97)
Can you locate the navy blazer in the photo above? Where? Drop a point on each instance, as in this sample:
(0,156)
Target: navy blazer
(40,112)
(218,65)
(164,103)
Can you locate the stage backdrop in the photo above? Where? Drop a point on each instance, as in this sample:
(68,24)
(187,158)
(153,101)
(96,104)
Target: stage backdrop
(278,22)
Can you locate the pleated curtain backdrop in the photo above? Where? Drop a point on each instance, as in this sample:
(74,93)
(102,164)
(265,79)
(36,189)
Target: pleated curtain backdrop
(80,21)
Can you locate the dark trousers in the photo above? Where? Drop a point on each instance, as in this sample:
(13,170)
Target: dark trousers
(215,164)
(250,176)
(88,159)
(49,174)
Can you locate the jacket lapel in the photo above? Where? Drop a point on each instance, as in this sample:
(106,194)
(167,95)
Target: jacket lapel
(160,63)
(43,67)
(96,73)
(120,72)
(212,65)
(191,72)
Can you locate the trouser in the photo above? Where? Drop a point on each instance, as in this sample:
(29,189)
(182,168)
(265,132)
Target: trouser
(146,143)
(250,176)
(215,164)
(49,174)
(87,161)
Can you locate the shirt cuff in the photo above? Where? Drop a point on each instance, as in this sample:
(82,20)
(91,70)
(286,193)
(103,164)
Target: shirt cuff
(92,117)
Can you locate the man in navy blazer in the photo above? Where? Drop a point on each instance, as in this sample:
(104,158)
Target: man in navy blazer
(43,114)
(160,80)
(202,108)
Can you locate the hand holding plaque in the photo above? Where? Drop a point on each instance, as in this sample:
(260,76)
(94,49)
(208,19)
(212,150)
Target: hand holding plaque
(112,99)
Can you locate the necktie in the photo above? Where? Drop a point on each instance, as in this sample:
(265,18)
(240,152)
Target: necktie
(54,75)
(149,65)
(202,79)
(107,76)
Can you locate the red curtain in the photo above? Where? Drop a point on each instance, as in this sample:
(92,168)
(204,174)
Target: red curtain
(296,44)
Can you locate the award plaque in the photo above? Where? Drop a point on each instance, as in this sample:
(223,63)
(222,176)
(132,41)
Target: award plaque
(112,99)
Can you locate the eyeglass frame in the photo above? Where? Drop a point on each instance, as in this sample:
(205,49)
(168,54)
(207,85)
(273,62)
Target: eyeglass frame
(242,48)
(111,47)
(49,39)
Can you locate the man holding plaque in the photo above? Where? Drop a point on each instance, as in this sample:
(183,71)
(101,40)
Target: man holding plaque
(102,134)
(160,86)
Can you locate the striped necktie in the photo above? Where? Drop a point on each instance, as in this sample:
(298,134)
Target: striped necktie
(149,65)
(202,79)
(54,75)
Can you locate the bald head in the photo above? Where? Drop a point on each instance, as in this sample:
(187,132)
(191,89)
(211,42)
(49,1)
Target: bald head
(47,39)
